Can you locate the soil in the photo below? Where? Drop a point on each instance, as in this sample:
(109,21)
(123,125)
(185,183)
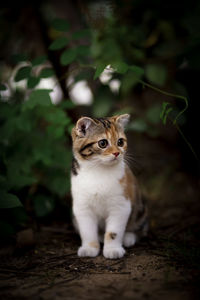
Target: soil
(165,265)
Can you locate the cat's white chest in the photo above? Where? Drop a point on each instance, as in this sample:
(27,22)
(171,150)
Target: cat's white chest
(98,188)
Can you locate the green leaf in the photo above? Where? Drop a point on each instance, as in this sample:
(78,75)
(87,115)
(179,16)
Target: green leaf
(67,104)
(83,50)
(121,67)
(56,131)
(23,73)
(164,106)
(57,116)
(166,115)
(41,97)
(165,111)
(81,33)
(8,200)
(32,82)
(3,87)
(43,154)
(25,123)
(38,97)
(67,57)
(43,205)
(99,69)
(59,43)
(137,70)
(39,60)
(156,74)
(47,72)
(60,25)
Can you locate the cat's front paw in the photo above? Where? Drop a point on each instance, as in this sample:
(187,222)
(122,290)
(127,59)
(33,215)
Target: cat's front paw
(84,251)
(113,252)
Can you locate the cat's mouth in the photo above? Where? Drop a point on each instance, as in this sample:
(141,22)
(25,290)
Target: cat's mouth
(114,160)
(111,160)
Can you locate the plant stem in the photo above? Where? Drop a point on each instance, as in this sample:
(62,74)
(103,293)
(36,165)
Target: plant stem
(169,95)
(179,114)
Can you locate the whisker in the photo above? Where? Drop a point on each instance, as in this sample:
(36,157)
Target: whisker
(133,161)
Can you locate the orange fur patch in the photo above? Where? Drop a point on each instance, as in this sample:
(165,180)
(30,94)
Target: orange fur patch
(110,236)
(94,245)
(128,183)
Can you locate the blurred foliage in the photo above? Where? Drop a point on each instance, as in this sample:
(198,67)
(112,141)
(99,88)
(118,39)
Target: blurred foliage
(35,160)
(141,45)
(35,147)
(151,37)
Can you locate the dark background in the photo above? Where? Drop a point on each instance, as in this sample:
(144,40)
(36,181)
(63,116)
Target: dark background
(153,48)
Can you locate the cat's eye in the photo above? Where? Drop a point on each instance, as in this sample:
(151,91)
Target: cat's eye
(103,143)
(120,142)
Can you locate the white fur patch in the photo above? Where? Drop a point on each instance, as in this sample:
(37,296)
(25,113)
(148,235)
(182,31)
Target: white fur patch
(88,251)
(113,252)
(98,199)
(97,188)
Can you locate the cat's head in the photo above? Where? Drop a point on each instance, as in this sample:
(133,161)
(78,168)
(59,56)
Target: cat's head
(100,140)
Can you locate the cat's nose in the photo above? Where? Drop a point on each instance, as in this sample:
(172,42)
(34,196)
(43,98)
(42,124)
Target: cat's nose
(116,154)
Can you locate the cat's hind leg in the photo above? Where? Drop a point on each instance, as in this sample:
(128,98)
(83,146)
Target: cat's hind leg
(138,224)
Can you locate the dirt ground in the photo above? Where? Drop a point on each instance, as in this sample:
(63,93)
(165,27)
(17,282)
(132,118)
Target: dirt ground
(165,265)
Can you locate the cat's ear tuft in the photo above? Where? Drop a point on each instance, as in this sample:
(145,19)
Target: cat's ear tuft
(123,120)
(82,126)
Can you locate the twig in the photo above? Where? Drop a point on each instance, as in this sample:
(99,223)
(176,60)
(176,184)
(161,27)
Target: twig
(18,272)
(110,273)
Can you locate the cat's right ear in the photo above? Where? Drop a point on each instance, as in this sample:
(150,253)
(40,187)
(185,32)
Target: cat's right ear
(83,125)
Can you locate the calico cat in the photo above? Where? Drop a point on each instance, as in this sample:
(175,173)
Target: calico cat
(106,196)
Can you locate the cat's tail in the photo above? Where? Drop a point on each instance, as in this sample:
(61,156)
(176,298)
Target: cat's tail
(129,239)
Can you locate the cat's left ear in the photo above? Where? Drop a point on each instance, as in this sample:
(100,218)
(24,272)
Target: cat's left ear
(123,120)
(84,125)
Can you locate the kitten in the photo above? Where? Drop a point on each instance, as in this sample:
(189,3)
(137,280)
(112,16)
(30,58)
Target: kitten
(106,197)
